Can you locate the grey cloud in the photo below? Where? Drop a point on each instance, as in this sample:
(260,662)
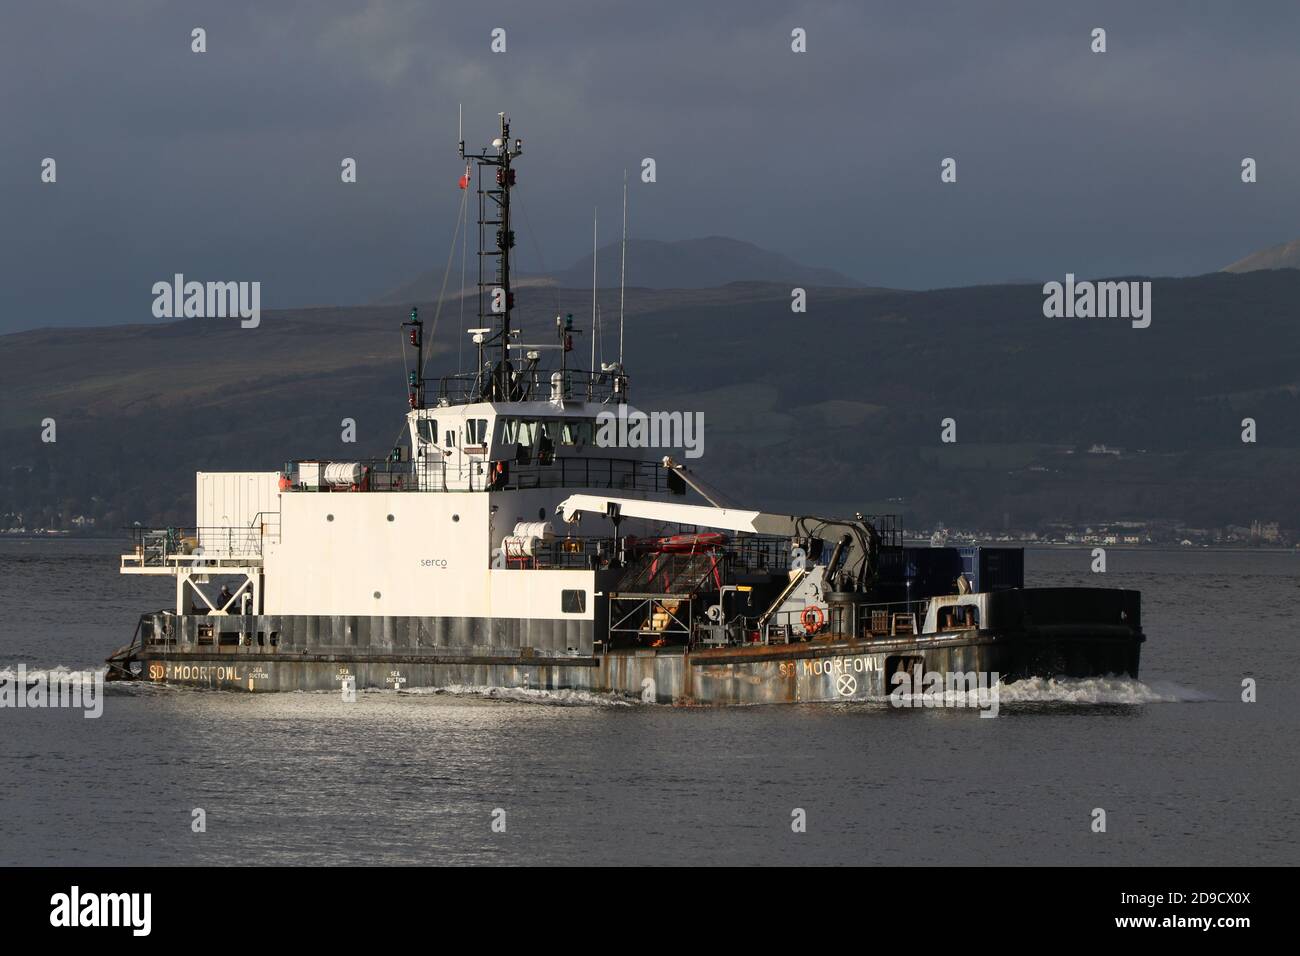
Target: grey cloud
(226,165)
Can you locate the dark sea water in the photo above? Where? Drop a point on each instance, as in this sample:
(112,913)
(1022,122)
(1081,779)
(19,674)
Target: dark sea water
(1186,772)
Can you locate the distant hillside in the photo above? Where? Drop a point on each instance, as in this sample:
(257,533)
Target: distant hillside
(651,264)
(1284,256)
(697,264)
(837,409)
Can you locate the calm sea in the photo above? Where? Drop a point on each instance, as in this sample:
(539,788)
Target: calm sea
(1186,772)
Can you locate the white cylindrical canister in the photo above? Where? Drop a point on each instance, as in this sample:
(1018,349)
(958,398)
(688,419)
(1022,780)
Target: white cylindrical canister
(343,473)
(534,529)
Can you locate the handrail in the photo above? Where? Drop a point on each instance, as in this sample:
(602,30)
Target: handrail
(792,621)
(467,388)
(163,547)
(505,474)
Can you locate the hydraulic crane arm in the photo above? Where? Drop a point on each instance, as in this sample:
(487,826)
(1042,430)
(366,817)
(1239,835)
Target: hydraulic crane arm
(857,555)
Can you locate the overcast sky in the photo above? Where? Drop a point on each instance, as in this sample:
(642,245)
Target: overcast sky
(225,165)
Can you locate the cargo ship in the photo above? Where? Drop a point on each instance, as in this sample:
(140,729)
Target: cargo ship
(506,543)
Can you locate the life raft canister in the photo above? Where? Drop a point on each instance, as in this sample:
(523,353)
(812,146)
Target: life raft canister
(814,618)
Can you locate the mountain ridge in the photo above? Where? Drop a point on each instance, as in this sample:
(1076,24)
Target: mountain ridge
(704,263)
(1285,255)
(837,408)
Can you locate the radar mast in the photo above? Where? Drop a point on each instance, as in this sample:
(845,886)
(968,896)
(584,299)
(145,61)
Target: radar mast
(496,238)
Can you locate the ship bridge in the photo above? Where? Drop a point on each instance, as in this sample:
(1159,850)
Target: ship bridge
(498,446)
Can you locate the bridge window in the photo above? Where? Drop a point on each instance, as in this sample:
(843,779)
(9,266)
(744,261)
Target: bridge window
(546,445)
(476,431)
(575,433)
(515,431)
(573,602)
(429,430)
(958,617)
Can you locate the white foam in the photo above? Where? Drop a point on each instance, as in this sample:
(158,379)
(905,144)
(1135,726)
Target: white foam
(938,698)
(1097,690)
(52,675)
(1033,690)
(562,698)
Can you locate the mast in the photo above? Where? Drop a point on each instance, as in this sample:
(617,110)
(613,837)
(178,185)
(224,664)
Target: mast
(622,273)
(496,301)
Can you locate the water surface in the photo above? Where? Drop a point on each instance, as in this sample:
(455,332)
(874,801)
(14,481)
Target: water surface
(1186,772)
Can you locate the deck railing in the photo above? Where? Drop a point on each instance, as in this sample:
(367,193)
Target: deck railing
(198,546)
(576,384)
(484,474)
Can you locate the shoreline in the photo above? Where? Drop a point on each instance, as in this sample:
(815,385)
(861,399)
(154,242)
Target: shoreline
(910,542)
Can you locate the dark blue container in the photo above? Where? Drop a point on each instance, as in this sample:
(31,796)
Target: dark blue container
(924,571)
(993,569)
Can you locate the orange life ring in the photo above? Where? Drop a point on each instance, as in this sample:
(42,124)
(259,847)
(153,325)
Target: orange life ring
(814,618)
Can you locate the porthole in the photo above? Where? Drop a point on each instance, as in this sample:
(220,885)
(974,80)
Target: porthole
(455,517)
(377,595)
(391,518)
(329,517)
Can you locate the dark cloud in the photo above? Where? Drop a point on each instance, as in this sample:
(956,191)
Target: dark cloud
(225,165)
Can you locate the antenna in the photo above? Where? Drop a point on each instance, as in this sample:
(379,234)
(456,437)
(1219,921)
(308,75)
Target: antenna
(464,238)
(622,273)
(415,377)
(464,243)
(594,212)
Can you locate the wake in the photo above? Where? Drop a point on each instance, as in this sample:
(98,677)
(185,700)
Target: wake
(522,695)
(1097,690)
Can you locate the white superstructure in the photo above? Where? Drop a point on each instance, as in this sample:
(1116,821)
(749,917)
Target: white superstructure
(430,534)
(457,521)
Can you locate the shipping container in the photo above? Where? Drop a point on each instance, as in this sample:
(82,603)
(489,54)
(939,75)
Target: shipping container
(993,569)
(231,509)
(923,572)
